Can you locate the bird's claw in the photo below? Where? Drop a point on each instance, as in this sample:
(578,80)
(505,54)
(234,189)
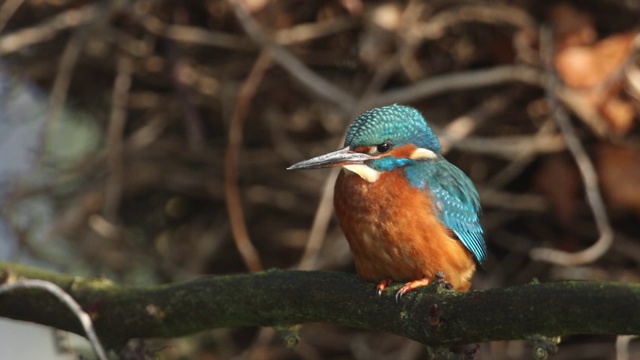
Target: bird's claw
(382,285)
(438,278)
(412,285)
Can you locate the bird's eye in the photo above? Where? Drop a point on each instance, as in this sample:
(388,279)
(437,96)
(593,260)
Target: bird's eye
(384,147)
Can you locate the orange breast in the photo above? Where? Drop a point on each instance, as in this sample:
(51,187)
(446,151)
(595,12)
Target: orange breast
(393,231)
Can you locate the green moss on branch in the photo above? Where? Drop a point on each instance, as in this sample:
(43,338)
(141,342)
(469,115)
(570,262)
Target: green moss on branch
(279,297)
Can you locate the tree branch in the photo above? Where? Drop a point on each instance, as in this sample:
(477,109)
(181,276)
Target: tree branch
(431,315)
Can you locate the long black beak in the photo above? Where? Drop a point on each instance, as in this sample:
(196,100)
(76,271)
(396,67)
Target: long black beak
(340,157)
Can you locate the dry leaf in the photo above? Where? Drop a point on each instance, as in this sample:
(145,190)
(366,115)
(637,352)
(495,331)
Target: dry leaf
(559,181)
(619,171)
(584,66)
(593,66)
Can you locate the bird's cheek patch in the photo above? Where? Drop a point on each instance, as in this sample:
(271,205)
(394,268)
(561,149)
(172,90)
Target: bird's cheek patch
(423,154)
(364,171)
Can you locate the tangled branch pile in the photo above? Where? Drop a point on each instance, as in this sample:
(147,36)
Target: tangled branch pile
(200,106)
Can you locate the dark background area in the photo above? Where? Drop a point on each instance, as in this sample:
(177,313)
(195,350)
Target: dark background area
(199,107)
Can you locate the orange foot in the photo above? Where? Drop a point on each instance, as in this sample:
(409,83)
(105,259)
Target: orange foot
(412,285)
(382,285)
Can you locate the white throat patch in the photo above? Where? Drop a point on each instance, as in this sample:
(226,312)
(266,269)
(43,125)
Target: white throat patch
(364,171)
(423,154)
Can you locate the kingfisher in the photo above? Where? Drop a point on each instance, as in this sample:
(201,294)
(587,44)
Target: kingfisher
(408,214)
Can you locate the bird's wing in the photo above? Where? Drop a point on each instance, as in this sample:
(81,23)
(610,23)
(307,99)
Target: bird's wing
(456,202)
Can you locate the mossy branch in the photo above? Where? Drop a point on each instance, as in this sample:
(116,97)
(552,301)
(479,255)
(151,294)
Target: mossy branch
(431,316)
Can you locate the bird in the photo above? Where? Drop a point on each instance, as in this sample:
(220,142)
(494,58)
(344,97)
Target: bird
(408,214)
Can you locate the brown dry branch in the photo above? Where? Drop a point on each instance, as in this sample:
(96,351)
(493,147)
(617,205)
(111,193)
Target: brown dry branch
(192,121)
(7,10)
(203,37)
(622,346)
(284,298)
(497,14)
(234,203)
(461,80)
(543,142)
(148,203)
(589,177)
(462,126)
(48,29)
(60,88)
(116,133)
(320,224)
(289,62)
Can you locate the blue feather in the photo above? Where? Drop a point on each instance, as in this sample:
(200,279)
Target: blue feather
(400,124)
(455,200)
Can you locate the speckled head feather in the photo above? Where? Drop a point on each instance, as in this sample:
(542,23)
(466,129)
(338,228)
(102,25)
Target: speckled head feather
(395,123)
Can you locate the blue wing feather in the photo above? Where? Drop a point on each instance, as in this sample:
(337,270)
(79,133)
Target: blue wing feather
(456,201)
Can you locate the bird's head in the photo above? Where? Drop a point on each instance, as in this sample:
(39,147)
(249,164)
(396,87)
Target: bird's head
(380,140)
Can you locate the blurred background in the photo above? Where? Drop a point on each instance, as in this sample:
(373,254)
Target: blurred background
(146,141)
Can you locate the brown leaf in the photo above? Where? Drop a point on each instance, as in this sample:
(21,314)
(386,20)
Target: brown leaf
(620,114)
(559,181)
(585,66)
(619,171)
(593,66)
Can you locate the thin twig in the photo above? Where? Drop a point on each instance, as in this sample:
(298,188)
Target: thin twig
(196,35)
(577,103)
(493,14)
(190,34)
(305,32)
(70,56)
(7,10)
(587,172)
(234,203)
(320,224)
(510,147)
(48,29)
(459,81)
(386,69)
(622,346)
(179,66)
(462,126)
(65,298)
(119,100)
(60,88)
(525,155)
(513,201)
(290,63)
(206,37)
